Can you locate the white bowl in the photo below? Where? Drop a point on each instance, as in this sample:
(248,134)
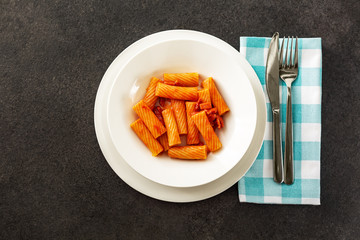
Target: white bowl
(209,56)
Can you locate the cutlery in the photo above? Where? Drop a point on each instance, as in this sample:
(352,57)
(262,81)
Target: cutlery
(288,73)
(272,87)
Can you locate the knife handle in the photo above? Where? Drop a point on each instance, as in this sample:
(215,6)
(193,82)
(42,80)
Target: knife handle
(277,153)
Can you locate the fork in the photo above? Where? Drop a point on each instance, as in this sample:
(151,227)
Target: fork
(288,73)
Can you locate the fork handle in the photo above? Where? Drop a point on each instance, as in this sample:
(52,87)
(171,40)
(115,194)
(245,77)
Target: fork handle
(289,158)
(277,153)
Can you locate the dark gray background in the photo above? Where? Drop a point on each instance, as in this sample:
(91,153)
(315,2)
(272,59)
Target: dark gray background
(54,180)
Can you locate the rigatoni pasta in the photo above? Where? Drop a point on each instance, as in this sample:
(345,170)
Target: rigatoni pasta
(150,120)
(182,79)
(171,127)
(150,98)
(202,123)
(173,106)
(178,107)
(216,99)
(206,105)
(193,133)
(163,139)
(146,137)
(204,96)
(174,92)
(188,152)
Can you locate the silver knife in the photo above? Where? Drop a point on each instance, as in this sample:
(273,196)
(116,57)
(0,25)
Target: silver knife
(272,87)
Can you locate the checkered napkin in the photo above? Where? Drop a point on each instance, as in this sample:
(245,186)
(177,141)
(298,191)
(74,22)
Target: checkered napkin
(257,186)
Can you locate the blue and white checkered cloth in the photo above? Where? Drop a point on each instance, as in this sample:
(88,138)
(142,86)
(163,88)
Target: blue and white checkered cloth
(257,186)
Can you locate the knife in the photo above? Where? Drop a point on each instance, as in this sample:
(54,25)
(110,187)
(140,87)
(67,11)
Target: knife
(272,87)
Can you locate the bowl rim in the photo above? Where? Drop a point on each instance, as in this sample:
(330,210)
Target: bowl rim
(229,49)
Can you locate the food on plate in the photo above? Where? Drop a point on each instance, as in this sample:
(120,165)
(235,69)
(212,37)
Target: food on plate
(146,137)
(175,92)
(174,106)
(216,98)
(171,127)
(163,139)
(178,107)
(215,119)
(193,133)
(148,117)
(182,79)
(204,96)
(188,152)
(206,105)
(203,124)
(150,98)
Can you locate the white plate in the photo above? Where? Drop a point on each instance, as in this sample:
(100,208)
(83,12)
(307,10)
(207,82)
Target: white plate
(153,189)
(181,52)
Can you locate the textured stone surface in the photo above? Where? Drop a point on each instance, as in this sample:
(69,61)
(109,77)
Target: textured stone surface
(54,180)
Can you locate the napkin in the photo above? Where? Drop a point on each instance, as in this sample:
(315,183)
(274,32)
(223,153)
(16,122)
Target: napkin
(257,186)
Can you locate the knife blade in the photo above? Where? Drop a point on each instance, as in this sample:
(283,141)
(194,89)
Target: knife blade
(272,86)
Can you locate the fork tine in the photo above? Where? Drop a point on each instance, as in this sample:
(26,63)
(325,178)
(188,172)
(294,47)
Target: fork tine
(291,62)
(282,53)
(296,53)
(286,52)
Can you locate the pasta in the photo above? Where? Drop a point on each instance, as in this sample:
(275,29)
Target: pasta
(150,120)
(174,106)
(178,107)
(171,127)
(193,133)
(163,139)
(216,98)
(206,105)
(188,152)
(182,79)
(204,96)
(150,98)
(174,92)
(146,137)
(202,123)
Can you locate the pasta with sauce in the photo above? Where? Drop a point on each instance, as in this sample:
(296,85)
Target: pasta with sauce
(174,106)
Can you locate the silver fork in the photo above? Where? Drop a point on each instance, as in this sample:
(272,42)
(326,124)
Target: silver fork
(288,73)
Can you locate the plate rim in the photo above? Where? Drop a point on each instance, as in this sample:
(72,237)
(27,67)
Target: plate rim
(155,40)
